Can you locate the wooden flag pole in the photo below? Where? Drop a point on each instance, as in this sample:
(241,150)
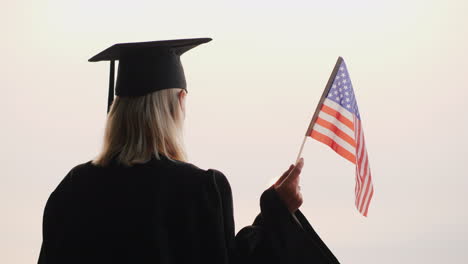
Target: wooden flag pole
(317,110)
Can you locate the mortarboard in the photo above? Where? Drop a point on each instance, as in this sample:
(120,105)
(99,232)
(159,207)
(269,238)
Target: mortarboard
(145,67)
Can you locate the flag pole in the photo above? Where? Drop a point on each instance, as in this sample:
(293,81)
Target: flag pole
(317,110)
(300,151)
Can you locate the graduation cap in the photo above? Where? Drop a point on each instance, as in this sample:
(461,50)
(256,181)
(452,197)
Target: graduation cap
(145,67)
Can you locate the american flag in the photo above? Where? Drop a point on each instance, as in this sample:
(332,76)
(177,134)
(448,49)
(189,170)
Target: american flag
(337,123)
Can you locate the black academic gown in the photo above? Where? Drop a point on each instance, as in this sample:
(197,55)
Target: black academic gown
(167,212)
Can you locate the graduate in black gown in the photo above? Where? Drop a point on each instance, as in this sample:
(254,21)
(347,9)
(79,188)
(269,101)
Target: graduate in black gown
(140,201)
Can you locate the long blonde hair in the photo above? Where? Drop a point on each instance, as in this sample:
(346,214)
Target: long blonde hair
(139,127)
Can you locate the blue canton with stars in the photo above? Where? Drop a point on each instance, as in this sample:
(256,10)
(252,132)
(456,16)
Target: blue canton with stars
(342,92)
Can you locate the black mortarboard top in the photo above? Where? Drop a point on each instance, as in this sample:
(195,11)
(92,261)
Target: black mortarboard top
(145,67)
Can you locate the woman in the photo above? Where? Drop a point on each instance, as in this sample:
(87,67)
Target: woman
(141,201)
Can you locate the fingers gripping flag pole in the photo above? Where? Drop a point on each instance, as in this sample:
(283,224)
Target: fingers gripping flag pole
(336,122)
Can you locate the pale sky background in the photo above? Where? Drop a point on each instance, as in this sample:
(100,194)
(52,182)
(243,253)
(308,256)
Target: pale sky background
(252,92)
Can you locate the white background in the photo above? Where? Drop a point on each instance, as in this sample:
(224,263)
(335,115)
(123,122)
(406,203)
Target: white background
(252,92)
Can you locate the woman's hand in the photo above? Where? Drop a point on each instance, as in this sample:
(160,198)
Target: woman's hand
(288,187)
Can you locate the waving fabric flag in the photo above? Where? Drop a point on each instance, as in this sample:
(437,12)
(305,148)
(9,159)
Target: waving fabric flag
(337,123)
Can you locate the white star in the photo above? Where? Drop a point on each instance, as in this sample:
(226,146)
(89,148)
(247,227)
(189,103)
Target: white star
(346,87)
(343,75)
(340,89)
(348,105)
(334,86)
(341,68)
(336,92)
(337,98)
(344,81)
(346,93)
(341,96)
(339,83)
(337,77)
(347,99)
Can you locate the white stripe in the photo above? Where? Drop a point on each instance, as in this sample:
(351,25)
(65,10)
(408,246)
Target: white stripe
(343,111)
(337,123)
(327,132)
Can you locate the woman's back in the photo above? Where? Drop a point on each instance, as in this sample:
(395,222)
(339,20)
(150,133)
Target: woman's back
(162,211)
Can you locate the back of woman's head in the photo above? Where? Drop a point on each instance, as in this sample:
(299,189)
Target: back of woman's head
(139,127)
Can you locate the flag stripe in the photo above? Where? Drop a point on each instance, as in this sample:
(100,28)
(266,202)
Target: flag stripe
(336,147)
(358,185)
(362,175)
(364,194)
(363,160)
(335,137)
(337,115)
(359,150)
(337,123)
(360,138)
(365,201)
(366,186)
(361,208)
(368,201)
(336,131)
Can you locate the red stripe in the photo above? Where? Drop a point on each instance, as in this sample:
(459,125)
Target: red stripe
(336,130)
(335,146)
(338,116)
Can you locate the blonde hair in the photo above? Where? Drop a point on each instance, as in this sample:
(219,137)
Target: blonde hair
(139,127)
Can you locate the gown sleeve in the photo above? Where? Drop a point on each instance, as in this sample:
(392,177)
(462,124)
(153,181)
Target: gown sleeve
(55,218)
(275,237)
